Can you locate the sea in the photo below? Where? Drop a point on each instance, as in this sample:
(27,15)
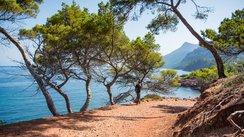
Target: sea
(20,99)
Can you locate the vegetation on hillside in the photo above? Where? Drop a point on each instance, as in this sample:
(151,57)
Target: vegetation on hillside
(197,59)
(206,76)
(174,59)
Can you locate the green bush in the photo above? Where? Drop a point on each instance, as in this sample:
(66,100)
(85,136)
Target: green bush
(234,68)
(167,77)
(207,75)
(152,97)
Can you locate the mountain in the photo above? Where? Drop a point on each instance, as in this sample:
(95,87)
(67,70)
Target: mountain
(174,58)
(191,57)
(234,59)
(197,59)
(203,58)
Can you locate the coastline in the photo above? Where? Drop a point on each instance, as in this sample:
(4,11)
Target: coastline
(17,91)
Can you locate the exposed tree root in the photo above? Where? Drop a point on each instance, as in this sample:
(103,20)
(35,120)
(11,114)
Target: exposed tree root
(233,123)
(221,106)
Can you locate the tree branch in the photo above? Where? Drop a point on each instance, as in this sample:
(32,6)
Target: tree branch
(163,3)
(178,3)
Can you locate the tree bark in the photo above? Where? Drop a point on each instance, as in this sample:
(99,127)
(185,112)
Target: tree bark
(39,81)
(65,96)
(219,62)
(88,95)
(46,94)
(108,87)
(111,100)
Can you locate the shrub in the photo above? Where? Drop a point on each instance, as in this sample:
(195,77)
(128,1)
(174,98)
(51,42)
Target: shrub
(208,75)
(152,97)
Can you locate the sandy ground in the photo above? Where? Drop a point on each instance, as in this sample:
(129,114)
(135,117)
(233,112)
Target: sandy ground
(148,119)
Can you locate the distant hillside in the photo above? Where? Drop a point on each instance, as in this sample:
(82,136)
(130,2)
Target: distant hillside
(174,58)
(232,59)
(192,57)
(197,59)
(202,58)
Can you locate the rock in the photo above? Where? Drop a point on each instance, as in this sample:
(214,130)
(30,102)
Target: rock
(193,83)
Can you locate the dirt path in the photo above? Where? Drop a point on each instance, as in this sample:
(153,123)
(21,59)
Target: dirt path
(148,119)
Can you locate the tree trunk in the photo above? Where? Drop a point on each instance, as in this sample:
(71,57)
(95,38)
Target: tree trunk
(219,62)
(39,81)
(46,94)
(111,100)
(88,95)
(65,96)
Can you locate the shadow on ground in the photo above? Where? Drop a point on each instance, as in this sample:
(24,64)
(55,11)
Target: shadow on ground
(75,121)
(171,109)
(38,126)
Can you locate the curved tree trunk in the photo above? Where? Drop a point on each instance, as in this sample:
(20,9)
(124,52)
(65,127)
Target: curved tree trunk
(217,58)
(111,100)
(65,96)
(39,81)
(88,95)
(46,94)
(67,102)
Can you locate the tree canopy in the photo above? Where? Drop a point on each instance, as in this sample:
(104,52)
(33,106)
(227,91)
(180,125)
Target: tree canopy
(167,18)
(90,46)
(12,10)
(66,44)
(230,36)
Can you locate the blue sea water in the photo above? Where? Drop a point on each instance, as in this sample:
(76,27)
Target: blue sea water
(20,100)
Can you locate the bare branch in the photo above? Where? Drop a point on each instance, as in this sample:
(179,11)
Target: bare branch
(178,3)
(164,3)
(201,14)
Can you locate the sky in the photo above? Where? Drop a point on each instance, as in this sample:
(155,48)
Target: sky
(168,41)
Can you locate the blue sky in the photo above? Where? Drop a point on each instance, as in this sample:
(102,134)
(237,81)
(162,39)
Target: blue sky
(168,41)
